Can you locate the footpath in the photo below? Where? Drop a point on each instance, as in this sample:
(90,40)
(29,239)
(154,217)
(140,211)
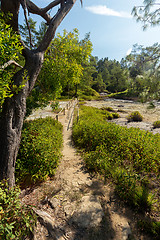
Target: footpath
(76,205)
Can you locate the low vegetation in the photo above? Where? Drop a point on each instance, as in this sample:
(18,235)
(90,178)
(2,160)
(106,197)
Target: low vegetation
(135,117)
(156,124)
(39,150)
(16,220)
(130,157)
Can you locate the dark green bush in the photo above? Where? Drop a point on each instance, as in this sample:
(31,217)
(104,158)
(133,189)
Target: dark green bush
(135,117)
(115,115)
(39,150)
(16,220)
(109,109)
(156,124)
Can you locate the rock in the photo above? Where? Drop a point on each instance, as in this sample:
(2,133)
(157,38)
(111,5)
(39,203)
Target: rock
(54,202)
(68,209)
(48,222)
(89,213)
(126,232)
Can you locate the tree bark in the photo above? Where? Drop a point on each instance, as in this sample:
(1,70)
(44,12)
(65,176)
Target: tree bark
(12,117)
(14,108)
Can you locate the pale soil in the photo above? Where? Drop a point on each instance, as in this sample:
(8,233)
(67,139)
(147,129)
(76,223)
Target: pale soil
(124,108)
(82,206)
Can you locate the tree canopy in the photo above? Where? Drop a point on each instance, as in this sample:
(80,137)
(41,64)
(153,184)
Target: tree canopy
(10,48)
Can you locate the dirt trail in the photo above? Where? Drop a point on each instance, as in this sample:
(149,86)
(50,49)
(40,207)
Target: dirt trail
(78,206)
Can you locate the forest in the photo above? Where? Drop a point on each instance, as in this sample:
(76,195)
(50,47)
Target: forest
(39,68)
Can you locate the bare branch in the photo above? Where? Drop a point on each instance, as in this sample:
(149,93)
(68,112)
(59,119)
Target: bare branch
(24,6)
(51,5)
(54,23)
(10,62)
(33,8)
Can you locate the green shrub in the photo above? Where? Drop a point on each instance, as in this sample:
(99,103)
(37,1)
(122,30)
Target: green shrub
(151,105)
(135,117)
(39,150)
(156,124)
(115,115)
(151,227)
(124,154)
(16,220)
(55,105)
(109,109)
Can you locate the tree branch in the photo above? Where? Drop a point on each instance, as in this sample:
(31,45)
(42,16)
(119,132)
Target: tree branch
(54,23)
(24,6)
(9,63)
(33,8)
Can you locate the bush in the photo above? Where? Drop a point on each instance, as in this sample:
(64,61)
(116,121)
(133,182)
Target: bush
(16,220)
(128,156)
(156,124)
(135,117)
(109,146)
(39,150)
(109,109)
(115,115)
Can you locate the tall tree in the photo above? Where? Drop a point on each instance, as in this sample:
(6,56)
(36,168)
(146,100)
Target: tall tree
(14,108)
(148,13)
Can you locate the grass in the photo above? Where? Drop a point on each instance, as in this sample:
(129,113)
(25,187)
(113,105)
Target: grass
(130,157)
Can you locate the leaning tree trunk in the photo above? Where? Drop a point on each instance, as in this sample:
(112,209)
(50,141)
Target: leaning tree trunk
(14,108)
(12,116)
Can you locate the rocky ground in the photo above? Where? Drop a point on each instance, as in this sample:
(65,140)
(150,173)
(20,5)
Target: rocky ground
(76,205)
(125,107)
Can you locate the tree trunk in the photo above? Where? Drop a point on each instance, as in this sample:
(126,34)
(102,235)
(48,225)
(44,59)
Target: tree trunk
(12,117)
(14,108)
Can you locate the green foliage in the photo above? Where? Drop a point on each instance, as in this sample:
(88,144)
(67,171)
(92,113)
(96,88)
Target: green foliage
(24,32)
(55,105)
(10,48)
(109,109)
(151,105)
(135,117)
(156,124)
(123,154)
(62,68)
(16,220)
(143,67)
(113,75)
(151,227)
(39,151)
(147,13)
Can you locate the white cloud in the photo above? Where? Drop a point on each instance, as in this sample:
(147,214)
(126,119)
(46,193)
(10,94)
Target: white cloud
(103,10)
(129,51)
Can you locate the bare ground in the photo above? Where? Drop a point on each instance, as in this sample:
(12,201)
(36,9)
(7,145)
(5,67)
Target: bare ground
(80,206)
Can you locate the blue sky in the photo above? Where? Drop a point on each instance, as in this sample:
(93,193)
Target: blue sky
(112,29)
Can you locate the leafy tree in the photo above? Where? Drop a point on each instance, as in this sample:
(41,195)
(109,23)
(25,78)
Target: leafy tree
(98,83)
(62,67)
(113,75)
(10,47)
(143,64)
(31,40)
(89,70)
(148,13)
(14,108)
